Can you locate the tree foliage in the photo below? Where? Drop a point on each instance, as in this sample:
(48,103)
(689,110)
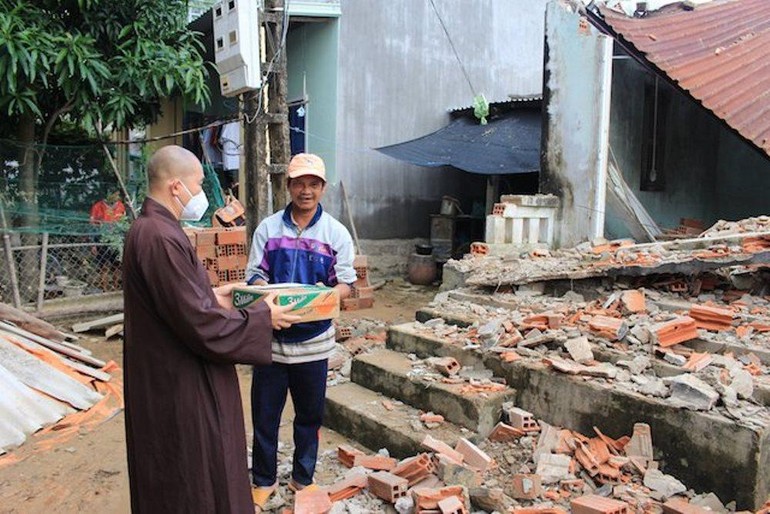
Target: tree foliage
(105,62)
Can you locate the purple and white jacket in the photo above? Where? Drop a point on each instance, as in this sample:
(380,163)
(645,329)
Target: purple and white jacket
(321,252)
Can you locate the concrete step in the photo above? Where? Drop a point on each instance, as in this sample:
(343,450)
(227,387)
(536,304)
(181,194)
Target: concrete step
(387,372)
(358,413)
(706,450)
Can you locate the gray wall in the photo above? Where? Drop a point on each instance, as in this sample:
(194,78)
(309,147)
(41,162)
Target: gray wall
(398,77)
(711,173)
(577,68)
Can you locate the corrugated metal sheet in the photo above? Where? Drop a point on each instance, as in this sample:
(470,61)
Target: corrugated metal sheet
(23,411)
(40,376)
(719,53)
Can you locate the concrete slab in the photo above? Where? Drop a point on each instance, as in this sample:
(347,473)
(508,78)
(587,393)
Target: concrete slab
(358,413)
(707,451)
(387,372)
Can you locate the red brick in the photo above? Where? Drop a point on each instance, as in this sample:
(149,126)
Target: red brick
(206,237)
(231,236)
(387,486)
(521,419)
(347,454)
(472,455)
(376,462)
(594,504)
(206,251)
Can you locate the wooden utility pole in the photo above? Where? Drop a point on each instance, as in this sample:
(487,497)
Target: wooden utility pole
(267,148)
(277,109)
(255,150)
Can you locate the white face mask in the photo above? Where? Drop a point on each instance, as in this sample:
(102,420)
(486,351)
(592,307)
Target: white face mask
(196,206)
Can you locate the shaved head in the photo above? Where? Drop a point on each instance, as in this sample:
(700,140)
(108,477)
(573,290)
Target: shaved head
(170,162)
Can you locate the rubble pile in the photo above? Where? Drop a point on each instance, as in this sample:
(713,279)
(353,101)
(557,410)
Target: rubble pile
(731,244)
(353,336)
(623,341)
(524,466)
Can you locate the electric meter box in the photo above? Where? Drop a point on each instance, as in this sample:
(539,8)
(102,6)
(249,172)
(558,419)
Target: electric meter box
(236,45)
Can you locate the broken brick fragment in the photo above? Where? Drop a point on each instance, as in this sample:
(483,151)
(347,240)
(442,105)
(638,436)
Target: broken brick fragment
(676,331)
(634,301)
(427,500)
(682,506)
(526,486)
(447,366)
(712,318)
(698,361)
(429,417)
(451,505)
(607,327)
(503,433)
(595,504)
(437,446)
(348,487)
(312,501)
(414,469)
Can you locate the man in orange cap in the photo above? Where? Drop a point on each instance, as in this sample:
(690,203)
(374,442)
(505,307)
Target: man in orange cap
(301,244)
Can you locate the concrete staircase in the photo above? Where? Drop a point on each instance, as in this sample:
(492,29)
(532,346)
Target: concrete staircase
(382,377)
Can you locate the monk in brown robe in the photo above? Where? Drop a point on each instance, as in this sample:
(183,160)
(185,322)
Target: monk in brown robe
(184,419)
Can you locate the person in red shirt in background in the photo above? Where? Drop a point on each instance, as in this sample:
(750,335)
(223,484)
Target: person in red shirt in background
(107,210)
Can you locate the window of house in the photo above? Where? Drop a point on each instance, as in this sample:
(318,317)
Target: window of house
(657,99)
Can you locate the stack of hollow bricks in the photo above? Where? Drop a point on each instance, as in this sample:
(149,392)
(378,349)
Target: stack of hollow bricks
(222,251)
(362,292)
(521,219)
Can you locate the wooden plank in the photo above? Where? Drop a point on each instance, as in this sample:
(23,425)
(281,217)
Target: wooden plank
(113,331)
(97,323)
(69,352)
(30,323)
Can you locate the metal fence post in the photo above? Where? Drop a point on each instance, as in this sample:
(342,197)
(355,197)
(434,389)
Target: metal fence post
(12,270)
(43,262)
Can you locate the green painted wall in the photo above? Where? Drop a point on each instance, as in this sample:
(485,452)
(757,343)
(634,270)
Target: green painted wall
(312,67)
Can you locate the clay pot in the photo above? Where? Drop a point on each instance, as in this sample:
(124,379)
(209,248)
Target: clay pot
(421,269)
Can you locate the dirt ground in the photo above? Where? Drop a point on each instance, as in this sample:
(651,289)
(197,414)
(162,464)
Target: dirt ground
(88,473)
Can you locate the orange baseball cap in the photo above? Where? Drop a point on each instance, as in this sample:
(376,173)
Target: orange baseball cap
(307,164)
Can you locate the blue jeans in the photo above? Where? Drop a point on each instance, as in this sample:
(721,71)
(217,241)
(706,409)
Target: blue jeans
(307,384)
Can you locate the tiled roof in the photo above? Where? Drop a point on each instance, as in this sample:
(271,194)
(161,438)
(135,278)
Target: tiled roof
(718,52)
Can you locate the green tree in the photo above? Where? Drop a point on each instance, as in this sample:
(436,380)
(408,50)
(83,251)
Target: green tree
(103,64)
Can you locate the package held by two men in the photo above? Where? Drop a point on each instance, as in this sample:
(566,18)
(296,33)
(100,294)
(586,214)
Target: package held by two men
(311,302)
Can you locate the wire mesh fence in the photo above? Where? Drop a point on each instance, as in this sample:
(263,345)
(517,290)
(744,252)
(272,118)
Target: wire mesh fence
(38,268)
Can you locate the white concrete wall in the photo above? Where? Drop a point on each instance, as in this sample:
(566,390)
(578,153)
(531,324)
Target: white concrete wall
(578,70)
(397,79)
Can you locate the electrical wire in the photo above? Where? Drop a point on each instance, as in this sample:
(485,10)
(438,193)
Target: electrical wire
(451,43)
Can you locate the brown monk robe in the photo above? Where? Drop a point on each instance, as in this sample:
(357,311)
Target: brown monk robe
(184,419)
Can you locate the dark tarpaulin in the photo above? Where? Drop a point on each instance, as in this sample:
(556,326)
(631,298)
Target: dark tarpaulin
(506,145)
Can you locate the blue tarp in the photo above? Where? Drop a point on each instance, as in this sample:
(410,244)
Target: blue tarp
(508,144)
